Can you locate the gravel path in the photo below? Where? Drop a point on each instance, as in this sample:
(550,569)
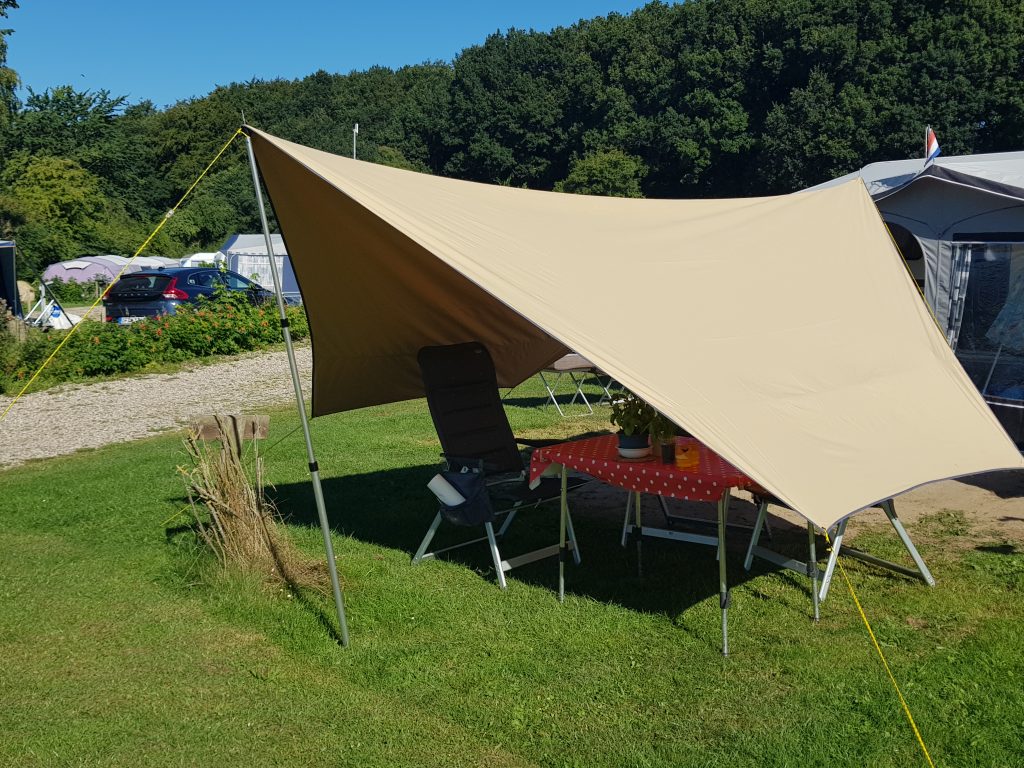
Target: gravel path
(74,416)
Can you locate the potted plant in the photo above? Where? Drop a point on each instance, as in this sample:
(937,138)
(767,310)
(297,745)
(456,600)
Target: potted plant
(633,416)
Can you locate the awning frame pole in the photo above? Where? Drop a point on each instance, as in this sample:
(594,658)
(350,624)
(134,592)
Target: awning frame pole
(314,470)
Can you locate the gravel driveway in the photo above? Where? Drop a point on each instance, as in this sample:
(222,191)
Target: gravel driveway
(74,416)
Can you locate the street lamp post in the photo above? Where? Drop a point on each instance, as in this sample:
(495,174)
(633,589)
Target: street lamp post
(355,132)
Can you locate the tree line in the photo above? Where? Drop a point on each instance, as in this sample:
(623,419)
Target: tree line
(709,98)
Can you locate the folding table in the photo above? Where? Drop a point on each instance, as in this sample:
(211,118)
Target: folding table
(706,477)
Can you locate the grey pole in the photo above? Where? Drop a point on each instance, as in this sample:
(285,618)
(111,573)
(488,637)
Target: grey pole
(355,132)
(564,514)
(314,470)
(723,587)
(812,568)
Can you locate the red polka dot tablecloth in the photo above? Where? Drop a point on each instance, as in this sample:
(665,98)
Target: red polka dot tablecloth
(705,477)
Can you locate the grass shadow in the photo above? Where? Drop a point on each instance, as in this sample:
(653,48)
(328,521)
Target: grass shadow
(1006,484)
(998,549)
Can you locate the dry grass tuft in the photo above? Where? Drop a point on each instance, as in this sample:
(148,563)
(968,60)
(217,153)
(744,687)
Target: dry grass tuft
(236,521)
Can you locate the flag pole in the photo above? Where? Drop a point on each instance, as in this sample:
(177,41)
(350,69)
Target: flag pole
(314,470)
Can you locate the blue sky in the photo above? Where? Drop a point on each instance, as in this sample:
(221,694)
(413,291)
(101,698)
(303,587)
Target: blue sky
(171,51)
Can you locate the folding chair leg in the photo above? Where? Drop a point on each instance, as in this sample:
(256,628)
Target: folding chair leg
(495,555)
(551,392)
(427,539)
(578,384)
(755,536)
(507,522)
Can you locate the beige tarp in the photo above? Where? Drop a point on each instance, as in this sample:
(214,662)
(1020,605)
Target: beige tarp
(783,332)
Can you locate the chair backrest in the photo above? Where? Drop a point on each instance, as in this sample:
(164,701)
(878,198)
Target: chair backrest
(462,393)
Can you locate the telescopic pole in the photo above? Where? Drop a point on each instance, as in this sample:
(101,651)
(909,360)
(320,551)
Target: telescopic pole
(314,470)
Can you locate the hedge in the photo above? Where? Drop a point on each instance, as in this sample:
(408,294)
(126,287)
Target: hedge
(224,325)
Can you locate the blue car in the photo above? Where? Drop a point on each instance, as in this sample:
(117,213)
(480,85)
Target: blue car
(140,295)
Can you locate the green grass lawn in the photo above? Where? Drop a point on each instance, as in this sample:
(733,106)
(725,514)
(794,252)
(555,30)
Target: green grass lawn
(120,647)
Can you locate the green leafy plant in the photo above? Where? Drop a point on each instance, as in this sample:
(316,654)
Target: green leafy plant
(662,428)
(632,414)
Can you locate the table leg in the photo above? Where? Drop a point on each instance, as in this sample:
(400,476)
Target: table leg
(561,537)
(638,532)
(755,535)
(625,522)
(723,587)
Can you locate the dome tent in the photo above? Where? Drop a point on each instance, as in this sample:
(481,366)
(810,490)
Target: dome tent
(103,268)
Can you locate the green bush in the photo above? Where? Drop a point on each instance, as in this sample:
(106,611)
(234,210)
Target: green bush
(224,325)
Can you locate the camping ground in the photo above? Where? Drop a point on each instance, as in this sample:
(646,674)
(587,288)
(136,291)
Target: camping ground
(123,647)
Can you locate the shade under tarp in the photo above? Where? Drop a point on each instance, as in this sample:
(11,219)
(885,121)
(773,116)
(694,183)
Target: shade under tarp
(783,332)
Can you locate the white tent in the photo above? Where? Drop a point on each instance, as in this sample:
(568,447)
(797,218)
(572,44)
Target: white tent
(247,255)
(199,259)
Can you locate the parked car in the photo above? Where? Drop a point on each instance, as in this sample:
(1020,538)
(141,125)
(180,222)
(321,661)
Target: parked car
(139,295)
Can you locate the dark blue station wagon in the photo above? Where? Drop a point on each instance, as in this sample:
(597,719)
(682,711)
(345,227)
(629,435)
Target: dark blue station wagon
(139,295)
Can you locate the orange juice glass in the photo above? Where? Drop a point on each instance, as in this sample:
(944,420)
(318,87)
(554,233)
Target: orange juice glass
(687,453)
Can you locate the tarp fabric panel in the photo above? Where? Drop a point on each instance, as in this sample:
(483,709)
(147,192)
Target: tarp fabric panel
(374,298)
(784,332)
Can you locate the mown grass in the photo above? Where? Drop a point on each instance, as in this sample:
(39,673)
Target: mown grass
(121,646)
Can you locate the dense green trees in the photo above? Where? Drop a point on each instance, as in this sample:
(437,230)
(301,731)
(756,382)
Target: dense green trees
(706,98)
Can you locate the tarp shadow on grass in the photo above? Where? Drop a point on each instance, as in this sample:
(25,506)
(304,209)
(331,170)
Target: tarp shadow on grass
(1006,484)
(392,508)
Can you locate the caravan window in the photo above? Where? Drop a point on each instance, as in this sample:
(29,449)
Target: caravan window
(990,340)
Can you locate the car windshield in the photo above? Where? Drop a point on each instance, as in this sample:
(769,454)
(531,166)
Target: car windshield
(140,283)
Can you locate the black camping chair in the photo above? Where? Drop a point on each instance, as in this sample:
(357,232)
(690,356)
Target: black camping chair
(481,454)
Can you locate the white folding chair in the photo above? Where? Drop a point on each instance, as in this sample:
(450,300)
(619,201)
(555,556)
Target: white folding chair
(576,368)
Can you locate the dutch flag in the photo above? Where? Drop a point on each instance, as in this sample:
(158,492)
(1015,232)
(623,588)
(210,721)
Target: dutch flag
(931,146)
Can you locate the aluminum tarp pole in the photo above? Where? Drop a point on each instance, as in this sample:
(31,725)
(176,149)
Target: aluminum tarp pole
(314,470)
(723,585)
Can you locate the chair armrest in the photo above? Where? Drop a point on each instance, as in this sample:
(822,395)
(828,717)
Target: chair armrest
(458,462)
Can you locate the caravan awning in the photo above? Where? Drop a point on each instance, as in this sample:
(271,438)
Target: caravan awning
(783,332)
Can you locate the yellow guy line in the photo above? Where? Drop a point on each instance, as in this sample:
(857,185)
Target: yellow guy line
(141,248)
(864,618)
